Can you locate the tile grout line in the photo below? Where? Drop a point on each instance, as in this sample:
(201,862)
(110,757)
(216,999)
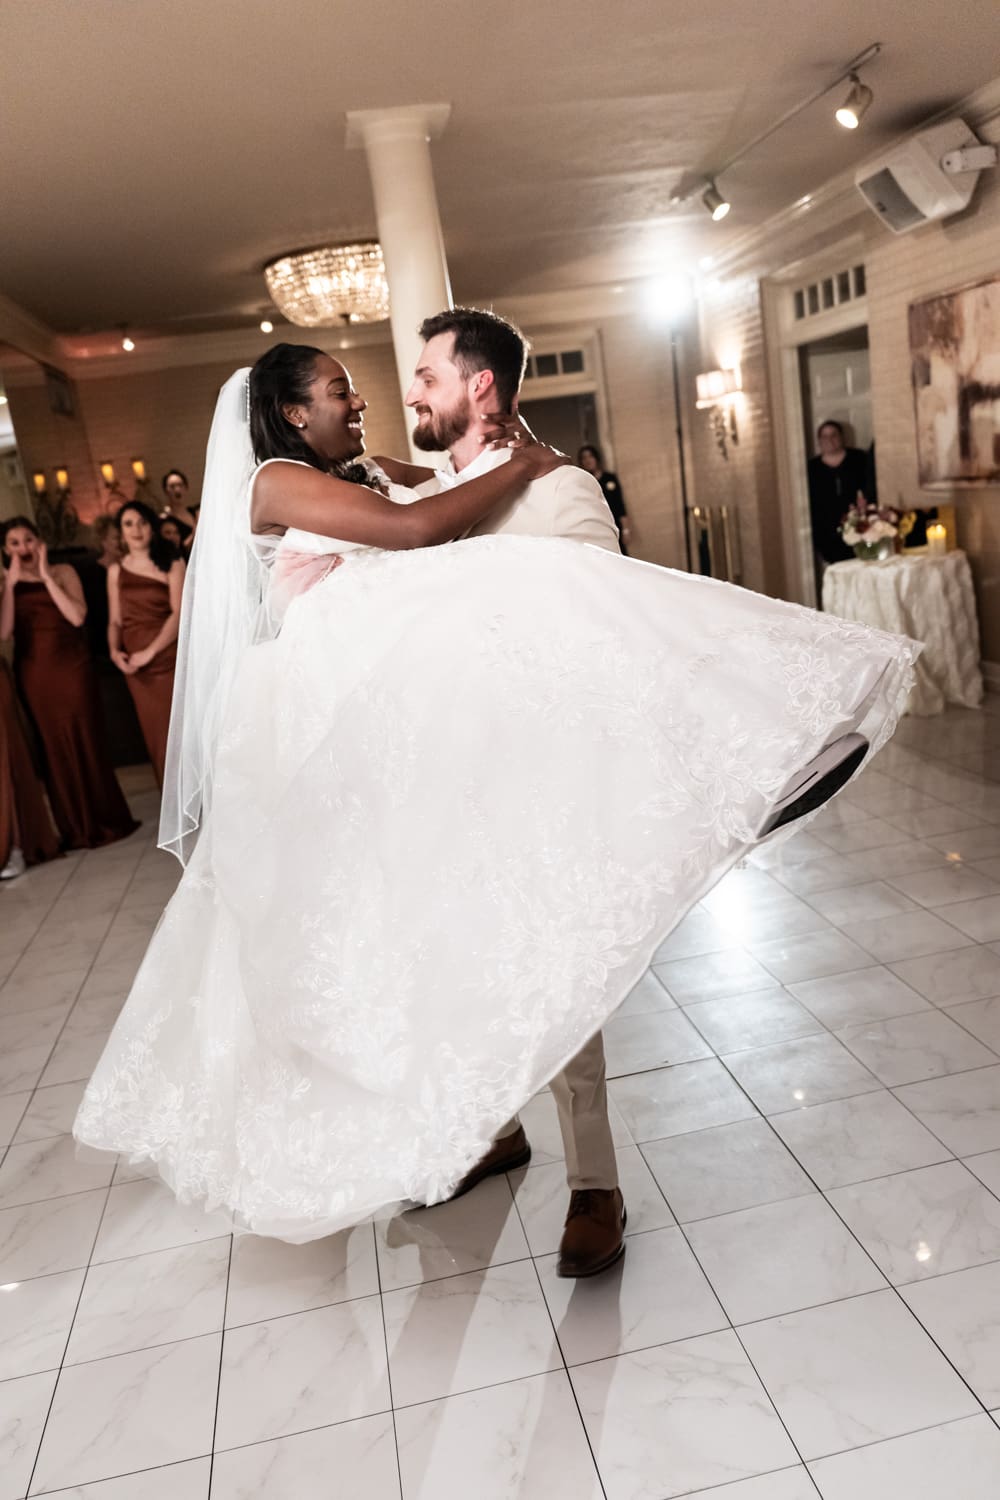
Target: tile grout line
(97,1230)
(733,1328)
(896,1437)
(890,1286)
(555,1335)
(76,998)
(388,1361)
(222,1355)
(69,1335)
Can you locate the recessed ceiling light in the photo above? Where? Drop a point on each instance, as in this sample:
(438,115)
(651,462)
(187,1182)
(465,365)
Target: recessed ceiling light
(266,326)
(128,344)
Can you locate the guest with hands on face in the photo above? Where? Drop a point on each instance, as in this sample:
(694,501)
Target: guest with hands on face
(43,609)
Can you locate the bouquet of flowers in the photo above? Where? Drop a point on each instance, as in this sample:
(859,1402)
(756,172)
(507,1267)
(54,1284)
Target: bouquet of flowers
(872,530)
(866,524)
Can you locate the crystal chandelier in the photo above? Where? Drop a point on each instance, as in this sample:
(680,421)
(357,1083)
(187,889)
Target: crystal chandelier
(332,285)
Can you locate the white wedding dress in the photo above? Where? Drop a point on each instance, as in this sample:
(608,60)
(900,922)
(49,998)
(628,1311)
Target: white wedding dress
(459,801)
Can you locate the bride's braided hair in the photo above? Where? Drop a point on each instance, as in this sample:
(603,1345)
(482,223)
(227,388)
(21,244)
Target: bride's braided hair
(282,377)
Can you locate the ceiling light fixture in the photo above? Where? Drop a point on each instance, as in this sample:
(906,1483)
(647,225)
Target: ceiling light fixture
(717,205)
(853,110)
(856,103)
(128,344)
(266,326)
(331,285)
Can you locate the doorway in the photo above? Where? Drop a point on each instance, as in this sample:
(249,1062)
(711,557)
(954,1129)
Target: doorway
(836,386)
(565,422)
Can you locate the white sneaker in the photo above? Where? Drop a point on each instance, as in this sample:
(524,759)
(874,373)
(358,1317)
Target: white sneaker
(14,867)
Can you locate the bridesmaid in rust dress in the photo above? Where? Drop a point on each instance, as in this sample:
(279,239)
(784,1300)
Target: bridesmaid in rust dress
(43,608)
(27,836)
(144,611)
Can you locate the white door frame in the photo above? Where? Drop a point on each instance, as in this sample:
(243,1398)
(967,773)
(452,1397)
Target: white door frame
(784,335)
(590,380)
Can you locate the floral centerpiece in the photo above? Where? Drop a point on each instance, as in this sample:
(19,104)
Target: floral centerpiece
(871,530)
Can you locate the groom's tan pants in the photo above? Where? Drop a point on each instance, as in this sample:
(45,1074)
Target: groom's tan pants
(581,1096)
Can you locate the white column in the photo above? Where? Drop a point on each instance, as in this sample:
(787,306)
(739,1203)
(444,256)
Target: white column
(397,143)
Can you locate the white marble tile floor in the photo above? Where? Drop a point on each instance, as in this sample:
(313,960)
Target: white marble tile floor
(805,1099)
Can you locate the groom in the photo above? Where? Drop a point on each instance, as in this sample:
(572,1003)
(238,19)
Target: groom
(471,365)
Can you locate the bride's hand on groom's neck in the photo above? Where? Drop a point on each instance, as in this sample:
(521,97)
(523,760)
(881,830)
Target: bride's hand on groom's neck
(504,429)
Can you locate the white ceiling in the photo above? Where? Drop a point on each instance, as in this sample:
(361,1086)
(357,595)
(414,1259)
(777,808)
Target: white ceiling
(155,153)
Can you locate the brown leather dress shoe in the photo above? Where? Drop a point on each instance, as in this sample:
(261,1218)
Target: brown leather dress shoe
(505,1155)
(594,1237)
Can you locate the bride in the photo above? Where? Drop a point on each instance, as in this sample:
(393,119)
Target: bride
(451,799)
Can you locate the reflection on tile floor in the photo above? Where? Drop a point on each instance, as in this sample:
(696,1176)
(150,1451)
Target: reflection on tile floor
(806,1107)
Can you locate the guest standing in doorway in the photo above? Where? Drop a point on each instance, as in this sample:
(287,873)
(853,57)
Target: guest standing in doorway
(144,611)
(589,458)
(837,475)
(43,609)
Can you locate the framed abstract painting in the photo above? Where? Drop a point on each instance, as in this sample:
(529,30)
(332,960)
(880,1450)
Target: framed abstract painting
(955,365)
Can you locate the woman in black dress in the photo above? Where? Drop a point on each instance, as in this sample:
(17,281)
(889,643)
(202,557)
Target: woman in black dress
(589,458)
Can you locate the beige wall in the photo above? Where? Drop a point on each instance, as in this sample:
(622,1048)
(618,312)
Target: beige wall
(164,417)
(732,333)
(49,440)
(640,397)
(900,270)
(13,499)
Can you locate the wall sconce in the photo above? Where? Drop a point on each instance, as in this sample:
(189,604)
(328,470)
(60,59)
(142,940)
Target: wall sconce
(717,385)
(62,480)
(718,389)
(111,484)
(141,477)
(38,481)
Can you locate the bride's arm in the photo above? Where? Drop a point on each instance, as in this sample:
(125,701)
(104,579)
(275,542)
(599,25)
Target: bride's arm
(292,496)
(403,473)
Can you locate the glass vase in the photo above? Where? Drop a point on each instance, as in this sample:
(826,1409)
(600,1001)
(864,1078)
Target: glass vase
(875,551)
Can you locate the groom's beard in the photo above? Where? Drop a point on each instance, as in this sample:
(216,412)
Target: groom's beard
(435,432)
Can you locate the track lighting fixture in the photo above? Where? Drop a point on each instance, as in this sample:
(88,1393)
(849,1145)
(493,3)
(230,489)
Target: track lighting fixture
(717,205)
(852,111)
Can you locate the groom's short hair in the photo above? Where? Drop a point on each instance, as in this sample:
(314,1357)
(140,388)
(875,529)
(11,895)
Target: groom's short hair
(483,341)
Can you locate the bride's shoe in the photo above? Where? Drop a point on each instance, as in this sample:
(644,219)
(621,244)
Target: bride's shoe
(817,782)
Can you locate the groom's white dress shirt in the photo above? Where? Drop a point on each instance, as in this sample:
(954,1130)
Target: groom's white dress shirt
(568,502)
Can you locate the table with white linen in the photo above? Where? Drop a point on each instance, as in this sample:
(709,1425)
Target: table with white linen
(929,598)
